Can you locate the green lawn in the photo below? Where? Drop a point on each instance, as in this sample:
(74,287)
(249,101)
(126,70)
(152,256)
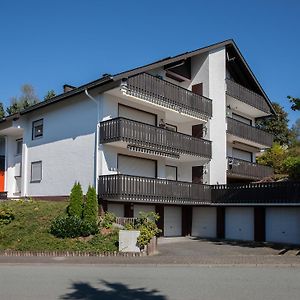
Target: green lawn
(29,231)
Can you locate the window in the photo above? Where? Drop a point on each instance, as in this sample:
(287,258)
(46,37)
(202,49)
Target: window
(241,119)
(36,171)
(37,129)
(19,146)
(171,172)
(242,154)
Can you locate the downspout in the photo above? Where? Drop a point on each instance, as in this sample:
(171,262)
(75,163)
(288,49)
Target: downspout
(96,139)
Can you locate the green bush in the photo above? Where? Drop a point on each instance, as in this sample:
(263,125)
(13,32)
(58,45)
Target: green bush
(88,228)
(146,224)
(76,201)
(71,227)
(90,211)
(108,220)
(6,215)
(66,226)
(292,167)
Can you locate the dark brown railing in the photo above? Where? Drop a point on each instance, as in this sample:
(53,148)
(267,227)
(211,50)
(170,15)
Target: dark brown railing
(246,169)
(152,137)
(151,190)
(247,96)
(283,193)
(249,132)
(169,95)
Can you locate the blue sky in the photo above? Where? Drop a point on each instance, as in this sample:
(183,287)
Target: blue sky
(50,43)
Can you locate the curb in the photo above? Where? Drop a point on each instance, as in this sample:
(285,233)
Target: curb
(71,253)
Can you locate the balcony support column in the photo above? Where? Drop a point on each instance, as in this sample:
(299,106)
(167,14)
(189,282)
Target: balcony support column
(187,215)
(220,222)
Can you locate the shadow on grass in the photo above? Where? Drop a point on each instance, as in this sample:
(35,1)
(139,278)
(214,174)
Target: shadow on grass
(118,291)
(247,244)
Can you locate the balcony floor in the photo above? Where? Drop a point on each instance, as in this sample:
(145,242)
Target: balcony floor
(182,157)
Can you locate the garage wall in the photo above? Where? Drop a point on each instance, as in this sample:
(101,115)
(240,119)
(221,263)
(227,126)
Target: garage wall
(283,225)
(116,208)
(204,222)
(239,223)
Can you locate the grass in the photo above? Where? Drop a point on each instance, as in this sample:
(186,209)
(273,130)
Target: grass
(29,231)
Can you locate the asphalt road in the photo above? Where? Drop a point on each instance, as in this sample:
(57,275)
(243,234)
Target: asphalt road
(144,282)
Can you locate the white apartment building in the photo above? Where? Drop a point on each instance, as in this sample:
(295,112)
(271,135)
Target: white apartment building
(154,138)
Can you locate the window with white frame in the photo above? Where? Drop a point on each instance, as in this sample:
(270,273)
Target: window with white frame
(19,146)
(36,171)
(37,129)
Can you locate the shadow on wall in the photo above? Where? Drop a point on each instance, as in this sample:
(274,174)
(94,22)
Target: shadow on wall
(110,291)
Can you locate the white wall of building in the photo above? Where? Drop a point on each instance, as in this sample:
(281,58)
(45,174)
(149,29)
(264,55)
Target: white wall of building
(217,124)
(66,149)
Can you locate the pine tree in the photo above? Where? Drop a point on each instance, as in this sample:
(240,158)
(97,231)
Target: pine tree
(90,212)
(76,201)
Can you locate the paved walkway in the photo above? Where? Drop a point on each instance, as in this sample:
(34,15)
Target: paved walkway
(185,251)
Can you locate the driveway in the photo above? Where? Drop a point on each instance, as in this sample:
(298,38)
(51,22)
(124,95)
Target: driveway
(185,251)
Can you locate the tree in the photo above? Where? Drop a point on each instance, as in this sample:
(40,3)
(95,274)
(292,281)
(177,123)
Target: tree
(295,103)
(296,132)
(277,125)
(2,111)
(27,98)
(50,94)
(274,157)
(90,212)
(76,201)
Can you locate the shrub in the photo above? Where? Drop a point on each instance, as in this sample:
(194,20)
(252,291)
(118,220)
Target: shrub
(6,215)
(71,227)
(146,224)
(292,167)
(76,201)
(66,226)
(90,211)
(108,220)
(88,228)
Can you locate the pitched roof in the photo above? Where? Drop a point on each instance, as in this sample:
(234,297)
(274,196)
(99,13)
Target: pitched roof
(106,81)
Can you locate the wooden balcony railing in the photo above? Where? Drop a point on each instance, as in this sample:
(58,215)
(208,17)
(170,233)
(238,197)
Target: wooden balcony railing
(126,188)
(246,169)
(151,137)
(247,96)
(169,95)
(273,193)
(151,190)
(249,132)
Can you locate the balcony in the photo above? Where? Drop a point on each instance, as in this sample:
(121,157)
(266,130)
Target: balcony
(247,134)
(153,140)
(168,95)
(244,169)
(286,193)
(247,96)
(151,190)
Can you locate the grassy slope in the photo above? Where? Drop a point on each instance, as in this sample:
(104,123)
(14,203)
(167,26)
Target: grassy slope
(29,230)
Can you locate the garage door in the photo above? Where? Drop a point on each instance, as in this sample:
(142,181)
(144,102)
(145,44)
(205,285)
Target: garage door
(137,208)
(172,221)
(137,115)
(115,208)
(130,165)
(204,222)
(239,223)
(283,225)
